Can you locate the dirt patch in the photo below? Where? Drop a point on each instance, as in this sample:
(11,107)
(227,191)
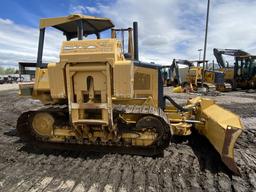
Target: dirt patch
(4,87)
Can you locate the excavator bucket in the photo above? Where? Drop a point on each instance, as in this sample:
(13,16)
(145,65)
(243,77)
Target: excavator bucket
(221,127)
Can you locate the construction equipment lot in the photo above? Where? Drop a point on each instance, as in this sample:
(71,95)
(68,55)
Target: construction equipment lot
(189,164)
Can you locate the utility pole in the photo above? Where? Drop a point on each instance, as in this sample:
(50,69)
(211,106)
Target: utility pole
(205,39)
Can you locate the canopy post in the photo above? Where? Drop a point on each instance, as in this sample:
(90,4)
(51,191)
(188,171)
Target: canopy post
(40,48)
(80,29)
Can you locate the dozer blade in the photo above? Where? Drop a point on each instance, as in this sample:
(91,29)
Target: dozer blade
(221,127)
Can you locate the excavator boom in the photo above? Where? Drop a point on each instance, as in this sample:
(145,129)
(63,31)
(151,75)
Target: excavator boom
(218,53)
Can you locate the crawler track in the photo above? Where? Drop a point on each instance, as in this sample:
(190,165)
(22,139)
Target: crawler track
(26,133)
(189,164)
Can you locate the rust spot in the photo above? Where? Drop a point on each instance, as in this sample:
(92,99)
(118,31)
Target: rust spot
(228,138)
(229,161)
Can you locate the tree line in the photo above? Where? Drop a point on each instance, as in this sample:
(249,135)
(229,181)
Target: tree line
(8,70)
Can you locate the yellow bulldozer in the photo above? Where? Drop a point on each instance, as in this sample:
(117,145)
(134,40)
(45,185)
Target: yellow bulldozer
(98,97)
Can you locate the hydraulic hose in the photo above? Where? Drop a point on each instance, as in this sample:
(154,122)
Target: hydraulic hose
(179,107)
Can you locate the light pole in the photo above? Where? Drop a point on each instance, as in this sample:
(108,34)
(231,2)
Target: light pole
(205,39)
(200,50)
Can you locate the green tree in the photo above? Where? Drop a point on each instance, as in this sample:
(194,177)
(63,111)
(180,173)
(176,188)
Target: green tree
(10,70)
(2,71)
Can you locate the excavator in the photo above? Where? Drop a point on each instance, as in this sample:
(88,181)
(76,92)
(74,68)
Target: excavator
(99,98)
(243,73)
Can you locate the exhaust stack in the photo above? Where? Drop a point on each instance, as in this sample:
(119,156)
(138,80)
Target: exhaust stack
(136,42)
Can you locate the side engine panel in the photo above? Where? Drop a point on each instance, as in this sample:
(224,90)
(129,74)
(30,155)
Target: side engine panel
(56,81)
(146,83)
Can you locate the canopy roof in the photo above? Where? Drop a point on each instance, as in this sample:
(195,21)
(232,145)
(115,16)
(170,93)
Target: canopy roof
(68,24)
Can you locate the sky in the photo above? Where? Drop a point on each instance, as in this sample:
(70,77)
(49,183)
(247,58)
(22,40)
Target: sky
(167,28)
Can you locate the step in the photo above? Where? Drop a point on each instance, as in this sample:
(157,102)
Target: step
(89,106)
(92,121)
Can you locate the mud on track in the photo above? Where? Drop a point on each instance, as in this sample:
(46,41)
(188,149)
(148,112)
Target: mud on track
(189,164)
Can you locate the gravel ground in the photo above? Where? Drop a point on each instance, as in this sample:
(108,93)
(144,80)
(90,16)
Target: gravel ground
(189,164)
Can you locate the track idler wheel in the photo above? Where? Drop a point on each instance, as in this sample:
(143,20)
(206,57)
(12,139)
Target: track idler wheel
(42,124)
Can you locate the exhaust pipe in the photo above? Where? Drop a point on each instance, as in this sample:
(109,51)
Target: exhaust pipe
(136,43)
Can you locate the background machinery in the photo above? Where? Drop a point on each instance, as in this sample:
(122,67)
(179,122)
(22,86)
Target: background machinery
(190,76)
(241,74)
(97,98)
(173,75)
